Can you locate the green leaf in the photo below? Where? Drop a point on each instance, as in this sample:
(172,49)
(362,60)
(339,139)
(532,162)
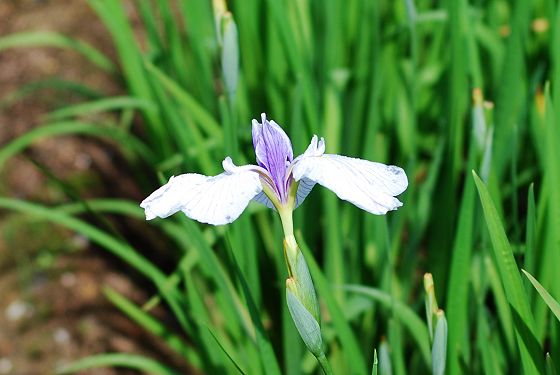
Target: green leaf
(114,245)
(550,369)
(226,352)
(407,316)
(101,105)
(61,85)
(152,325)
(52,39)
(205,119)
(512,91)
(128,141)
(132,361)
(268,357)
(113,15)
(529,348)
(550,301)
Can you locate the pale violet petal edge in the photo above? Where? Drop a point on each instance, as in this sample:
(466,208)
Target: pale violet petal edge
(368,185)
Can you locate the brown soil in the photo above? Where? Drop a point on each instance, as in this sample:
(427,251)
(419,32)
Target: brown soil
(52,309)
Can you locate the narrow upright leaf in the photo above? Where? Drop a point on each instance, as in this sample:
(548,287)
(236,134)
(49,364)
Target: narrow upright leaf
(550,301)
(529,348)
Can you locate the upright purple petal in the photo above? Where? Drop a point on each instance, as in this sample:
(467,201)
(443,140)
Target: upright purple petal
(274,152)
(258,143)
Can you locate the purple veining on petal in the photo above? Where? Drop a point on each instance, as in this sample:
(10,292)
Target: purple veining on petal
(274,153)
(258,143)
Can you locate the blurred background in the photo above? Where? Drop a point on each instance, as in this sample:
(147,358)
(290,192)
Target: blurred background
(52,310)
(101,101)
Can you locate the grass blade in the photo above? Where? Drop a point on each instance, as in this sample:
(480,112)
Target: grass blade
(226,352)
(52,39)
(101,105)
(550,301)
(512,90)
(132,361)
(152,325)
(529,348)
(113,15)
(457,293)
(266,351)
(72,128)
(61,85)
(405,314)
(205,120)
(113,245)
(375,363)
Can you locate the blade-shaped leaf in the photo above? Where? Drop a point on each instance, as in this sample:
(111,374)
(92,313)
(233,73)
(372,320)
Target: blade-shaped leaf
(550,301)
(531,353)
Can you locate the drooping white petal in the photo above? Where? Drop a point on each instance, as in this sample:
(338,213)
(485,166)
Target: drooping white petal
(370,186)
(214,200)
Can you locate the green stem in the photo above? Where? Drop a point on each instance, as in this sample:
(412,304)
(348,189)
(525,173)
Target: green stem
(325,365)
(287,220)
(300,292)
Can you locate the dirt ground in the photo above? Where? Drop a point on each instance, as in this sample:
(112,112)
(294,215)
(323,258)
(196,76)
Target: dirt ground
(52,309)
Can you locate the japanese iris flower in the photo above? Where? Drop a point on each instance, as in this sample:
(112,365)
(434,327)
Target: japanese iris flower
(278,181)
(282,182)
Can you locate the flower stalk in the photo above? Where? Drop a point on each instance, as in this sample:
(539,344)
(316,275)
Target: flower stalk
(300,291)
(302,300)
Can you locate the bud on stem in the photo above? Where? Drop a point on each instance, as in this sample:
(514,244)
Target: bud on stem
(300,292)
(299,278)
(302,302)
(437,327)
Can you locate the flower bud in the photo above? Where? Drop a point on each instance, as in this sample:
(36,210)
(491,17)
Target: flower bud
(302,284)
(307,326)
(439,347)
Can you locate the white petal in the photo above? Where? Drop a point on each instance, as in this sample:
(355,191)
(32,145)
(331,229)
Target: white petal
(370,186)
(316,147)
(214,200)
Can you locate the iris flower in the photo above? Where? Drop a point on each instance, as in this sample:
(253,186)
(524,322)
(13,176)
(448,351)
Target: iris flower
(278,181)
(282,182)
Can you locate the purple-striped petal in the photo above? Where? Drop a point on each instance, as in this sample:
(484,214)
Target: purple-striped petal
(274,153)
